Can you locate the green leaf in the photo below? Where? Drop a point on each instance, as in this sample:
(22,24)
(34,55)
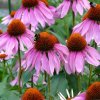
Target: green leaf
(59,84)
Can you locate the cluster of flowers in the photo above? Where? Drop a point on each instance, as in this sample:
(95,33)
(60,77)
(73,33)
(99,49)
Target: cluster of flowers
(45,53)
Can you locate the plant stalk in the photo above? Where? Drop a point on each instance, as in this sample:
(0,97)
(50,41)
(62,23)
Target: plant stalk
(49,88)
(9,6)
(20,70)
(90,75)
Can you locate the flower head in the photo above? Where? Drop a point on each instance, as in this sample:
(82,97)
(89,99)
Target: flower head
(77,6)
(76,42)
(93,92)
(32,94)
(1,32)
(93,13)
(3,56)
(89,27)
(79,52)
(35,13)
(6,20)
(45,42)
(16,28)
(16,32)
(46,54)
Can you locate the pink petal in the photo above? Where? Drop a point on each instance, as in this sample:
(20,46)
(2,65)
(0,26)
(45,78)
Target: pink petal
(79,62)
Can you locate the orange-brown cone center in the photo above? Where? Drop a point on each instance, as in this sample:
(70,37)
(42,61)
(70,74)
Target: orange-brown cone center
(12,13)
(3,56)
(1,32)
(45,41)
(16,28)
(76,42)
(93,13)
(32,94)
(93,92)
(32,3)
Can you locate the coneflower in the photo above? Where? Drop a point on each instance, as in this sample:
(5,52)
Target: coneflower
(35,12)
(79,52)
(16,31)
(90,26)
(46,54)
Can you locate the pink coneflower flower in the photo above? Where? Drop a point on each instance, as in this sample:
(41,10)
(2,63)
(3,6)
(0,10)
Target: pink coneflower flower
(79,52)
(6,20)
(90,26)
(92,93)
(16,32)
(35,12)
(75,5)
(46,54)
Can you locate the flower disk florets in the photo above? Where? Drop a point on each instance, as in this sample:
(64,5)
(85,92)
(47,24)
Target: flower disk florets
(16,28)
(45,41)
(76,42)
(93,92)
(32,94)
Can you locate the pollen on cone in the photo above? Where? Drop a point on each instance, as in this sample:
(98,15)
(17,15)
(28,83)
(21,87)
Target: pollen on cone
(32,94)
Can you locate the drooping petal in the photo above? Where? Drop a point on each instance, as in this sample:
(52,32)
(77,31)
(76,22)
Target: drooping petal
(79,62)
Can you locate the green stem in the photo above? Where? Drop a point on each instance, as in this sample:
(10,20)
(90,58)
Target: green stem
(79,82)
(9,6)
(32,81)
(20,72)
(4,66)
(73,18)
(90,75)
(49,90)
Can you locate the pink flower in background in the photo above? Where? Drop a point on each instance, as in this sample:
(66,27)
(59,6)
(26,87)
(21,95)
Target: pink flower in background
(77,6)
(46,54)
(79,52)
(6,20)
(90,26)
(16,31)
(35,12)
